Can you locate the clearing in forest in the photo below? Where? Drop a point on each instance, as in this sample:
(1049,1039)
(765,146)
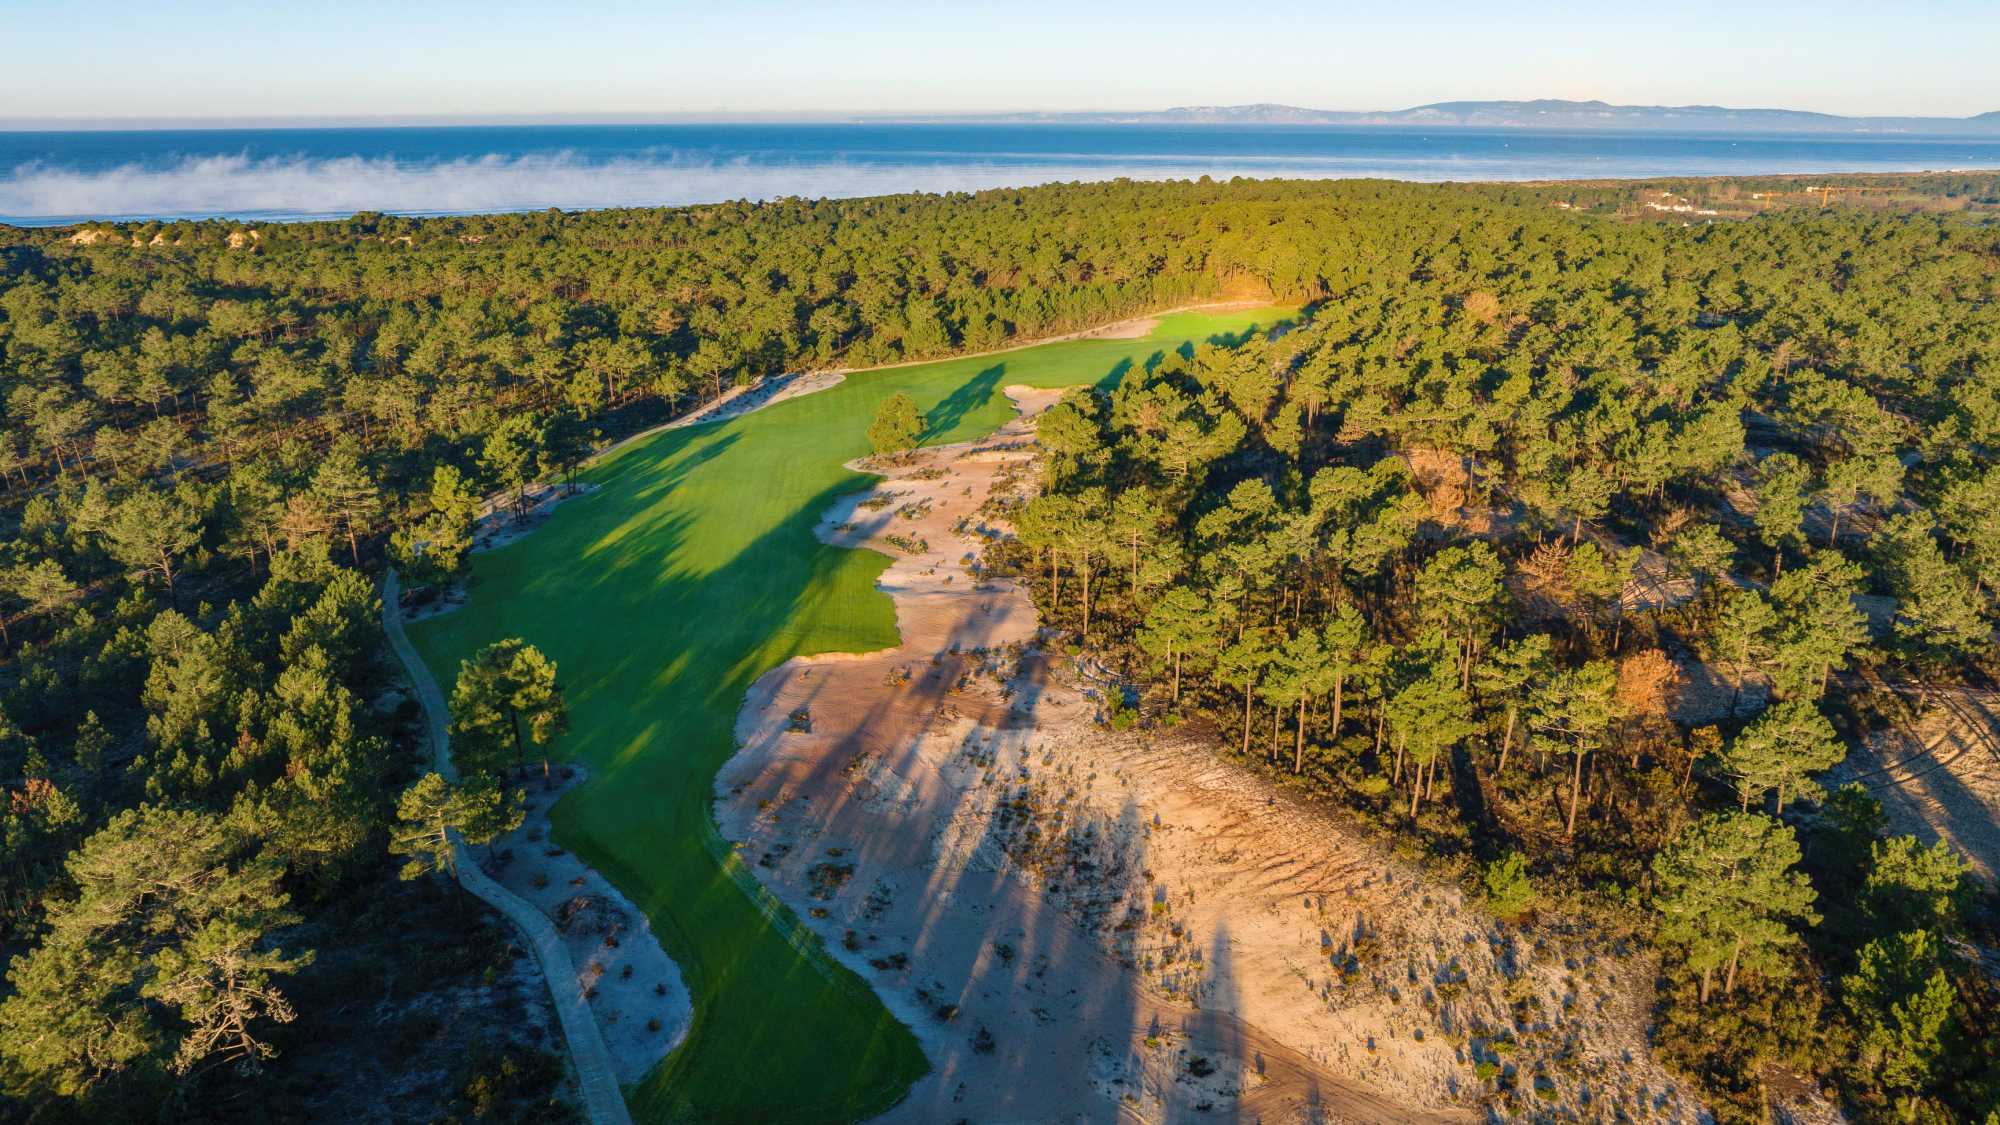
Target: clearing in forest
(691,571)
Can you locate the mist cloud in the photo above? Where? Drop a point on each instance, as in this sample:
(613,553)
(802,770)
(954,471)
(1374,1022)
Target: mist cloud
(298,187)
(309,187)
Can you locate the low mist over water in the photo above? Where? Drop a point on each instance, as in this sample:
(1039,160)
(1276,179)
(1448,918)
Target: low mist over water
(273,174)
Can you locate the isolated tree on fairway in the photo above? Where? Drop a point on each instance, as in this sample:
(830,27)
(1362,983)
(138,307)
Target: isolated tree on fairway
(1728,896)
(897,425)
(506,692)
(1780,752)
(432,810)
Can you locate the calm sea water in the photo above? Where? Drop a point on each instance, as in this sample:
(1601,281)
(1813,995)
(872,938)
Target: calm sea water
(274,174)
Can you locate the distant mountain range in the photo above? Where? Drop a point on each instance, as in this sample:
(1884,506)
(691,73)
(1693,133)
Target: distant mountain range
(1545,113)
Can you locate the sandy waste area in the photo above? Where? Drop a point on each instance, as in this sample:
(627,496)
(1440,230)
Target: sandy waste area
(1089,925)
(634,989)
(1939,778)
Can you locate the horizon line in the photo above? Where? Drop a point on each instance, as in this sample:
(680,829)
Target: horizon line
(218,122)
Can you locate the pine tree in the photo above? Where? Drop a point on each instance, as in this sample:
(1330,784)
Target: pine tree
(433,815)
(1728,896)
(167,938)
(1906,1008)
(1821,625)
(512,452)
(153,531)
(1243,665)
(1780,752)
(1910,886)
(1180,625)
(898,425)
(1970,511)
(505,696)
(1938,616)
(1428,719)
(347,492)
(1782,480)
(1508,674)
(1461,590)
(1745,635)
(1573,711)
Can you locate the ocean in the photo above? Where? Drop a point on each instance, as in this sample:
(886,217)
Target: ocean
(51,178)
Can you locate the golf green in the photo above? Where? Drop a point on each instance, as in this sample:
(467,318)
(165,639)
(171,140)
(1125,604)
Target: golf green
(662,597)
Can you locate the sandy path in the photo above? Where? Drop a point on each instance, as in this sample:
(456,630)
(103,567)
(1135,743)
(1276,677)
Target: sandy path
(1939,779)
(1085,925)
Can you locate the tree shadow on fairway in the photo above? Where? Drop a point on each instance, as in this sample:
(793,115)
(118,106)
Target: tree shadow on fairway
(657,642)
(1114,376)
(663,597)
(780,1032)
(1250,332)
(967,397)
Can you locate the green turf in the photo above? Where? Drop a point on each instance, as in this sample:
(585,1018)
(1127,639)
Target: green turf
(662,597)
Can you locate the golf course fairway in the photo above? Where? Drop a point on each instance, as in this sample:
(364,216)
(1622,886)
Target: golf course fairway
(662,597)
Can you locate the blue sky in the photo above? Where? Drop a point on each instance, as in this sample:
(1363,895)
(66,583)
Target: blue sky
(168,60)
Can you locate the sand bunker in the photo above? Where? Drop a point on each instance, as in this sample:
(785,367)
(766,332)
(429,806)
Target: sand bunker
(1081,924)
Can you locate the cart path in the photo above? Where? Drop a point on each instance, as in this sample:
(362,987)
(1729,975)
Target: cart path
(596,1081)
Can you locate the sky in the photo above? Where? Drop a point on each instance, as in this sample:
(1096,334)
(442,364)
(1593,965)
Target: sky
(179,62)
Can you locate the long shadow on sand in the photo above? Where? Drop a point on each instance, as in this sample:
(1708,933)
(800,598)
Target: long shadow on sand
(662,597)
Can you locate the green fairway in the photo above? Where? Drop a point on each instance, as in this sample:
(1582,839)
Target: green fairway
(663,597)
